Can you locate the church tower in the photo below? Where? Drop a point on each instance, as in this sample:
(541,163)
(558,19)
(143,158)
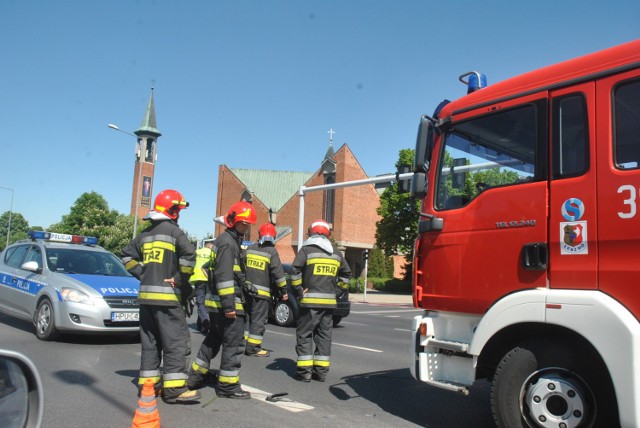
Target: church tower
(145,162)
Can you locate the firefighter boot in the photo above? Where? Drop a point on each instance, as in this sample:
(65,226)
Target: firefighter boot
(186,396)
(303,376)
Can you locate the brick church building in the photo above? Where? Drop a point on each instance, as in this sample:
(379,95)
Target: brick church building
(275,195)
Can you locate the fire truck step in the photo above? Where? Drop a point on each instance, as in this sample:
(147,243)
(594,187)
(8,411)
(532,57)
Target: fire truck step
(448,345)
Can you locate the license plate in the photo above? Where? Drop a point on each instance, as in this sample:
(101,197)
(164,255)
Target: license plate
(125,316)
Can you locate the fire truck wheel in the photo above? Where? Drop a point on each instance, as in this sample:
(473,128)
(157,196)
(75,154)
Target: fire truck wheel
(552,385)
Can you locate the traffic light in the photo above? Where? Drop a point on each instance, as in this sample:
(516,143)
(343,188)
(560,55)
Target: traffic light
(365,255)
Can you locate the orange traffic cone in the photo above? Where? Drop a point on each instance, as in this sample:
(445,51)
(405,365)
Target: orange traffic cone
(147,415)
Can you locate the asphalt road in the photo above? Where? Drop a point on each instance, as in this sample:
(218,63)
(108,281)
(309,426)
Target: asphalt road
(90,381)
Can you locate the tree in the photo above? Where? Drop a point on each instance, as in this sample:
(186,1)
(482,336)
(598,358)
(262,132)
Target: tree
(397,230)
(90,216)
(376,266)
(115,237)
(19,228)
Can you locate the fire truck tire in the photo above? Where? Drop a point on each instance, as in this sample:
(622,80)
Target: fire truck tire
(552,385)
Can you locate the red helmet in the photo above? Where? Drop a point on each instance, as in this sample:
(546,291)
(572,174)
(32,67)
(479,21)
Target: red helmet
(320,227)
(170,202)
(267,232)
(240,211)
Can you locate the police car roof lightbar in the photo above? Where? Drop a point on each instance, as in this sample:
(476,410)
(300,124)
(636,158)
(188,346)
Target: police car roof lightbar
(62,237)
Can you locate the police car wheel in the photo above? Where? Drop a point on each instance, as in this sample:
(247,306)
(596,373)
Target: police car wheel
(45,324)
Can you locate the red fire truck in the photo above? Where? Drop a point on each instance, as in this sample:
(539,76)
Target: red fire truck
(527,261)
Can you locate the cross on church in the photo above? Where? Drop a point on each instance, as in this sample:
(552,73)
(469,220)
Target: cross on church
(331,132)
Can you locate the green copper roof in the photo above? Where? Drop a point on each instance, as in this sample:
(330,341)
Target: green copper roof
(148,125)
(273,188)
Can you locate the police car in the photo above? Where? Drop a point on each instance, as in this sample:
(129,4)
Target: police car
(66,283)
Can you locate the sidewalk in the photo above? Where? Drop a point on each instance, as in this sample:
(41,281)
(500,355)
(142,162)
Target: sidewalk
(380,297)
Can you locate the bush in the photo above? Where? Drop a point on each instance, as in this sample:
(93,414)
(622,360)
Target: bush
(391,285)
(356,285)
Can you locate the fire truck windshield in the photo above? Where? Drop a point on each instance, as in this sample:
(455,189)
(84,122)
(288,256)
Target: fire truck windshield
(486,152)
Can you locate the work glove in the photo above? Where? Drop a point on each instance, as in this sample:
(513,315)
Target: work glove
(187,298)
(250,289)
(299,292)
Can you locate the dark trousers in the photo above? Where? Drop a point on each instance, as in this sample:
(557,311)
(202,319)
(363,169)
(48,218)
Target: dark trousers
(258,313)
(314,327)
(164,338)
(226,333)
(202,311)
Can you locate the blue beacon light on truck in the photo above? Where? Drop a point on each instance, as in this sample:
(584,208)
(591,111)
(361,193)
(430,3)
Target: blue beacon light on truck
(62,237)
(474,82)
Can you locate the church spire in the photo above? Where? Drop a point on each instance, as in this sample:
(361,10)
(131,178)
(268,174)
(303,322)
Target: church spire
(148,125)
(330,151)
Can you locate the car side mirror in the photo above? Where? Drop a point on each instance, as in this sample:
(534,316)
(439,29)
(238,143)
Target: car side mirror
(31,266)
(21,393)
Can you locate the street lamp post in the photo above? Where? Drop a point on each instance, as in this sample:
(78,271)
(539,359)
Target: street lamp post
(10,211)
(139,154)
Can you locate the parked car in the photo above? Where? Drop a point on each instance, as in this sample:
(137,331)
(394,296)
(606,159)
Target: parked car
(285,312)
(67,283)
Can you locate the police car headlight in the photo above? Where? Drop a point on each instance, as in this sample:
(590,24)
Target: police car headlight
(75,296)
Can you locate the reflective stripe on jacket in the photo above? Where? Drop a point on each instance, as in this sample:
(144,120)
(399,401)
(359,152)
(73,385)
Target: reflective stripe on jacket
(264,268)
(319,272)
(160,252)
(225,291)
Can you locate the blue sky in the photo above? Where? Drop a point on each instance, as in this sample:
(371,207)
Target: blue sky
(250,84)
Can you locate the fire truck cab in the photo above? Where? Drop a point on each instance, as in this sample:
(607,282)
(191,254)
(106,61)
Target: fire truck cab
(527,261)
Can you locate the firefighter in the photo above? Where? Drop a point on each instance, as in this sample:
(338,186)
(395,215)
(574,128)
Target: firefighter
(162,258)
(225,303)
(199,282)
(263,269)
(318,272)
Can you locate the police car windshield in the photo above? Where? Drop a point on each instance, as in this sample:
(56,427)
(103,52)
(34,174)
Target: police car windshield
(76,260)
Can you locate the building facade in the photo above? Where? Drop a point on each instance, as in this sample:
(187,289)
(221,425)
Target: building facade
(275,195)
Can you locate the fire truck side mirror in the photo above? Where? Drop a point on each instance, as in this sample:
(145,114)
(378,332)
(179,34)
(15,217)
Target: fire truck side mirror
(404,185)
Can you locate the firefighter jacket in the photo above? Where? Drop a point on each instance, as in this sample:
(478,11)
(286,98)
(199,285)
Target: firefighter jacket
(203,255)
(224,293)
(263,267)
(320,269)
(160,252)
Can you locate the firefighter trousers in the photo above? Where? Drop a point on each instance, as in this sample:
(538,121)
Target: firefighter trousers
(314,326)
(227,333)
(164,338)
(259,310)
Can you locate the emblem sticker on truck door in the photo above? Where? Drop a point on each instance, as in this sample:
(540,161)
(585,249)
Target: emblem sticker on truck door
(573,233)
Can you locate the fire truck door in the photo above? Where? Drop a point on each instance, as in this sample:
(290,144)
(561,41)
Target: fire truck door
(618,165)
(573,213)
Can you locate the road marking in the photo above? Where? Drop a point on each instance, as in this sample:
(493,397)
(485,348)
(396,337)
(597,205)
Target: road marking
(334,343)
(357,347)
(386,312)
(403,329)
(393,316)
(281,334)
(292,406)
(353,323)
